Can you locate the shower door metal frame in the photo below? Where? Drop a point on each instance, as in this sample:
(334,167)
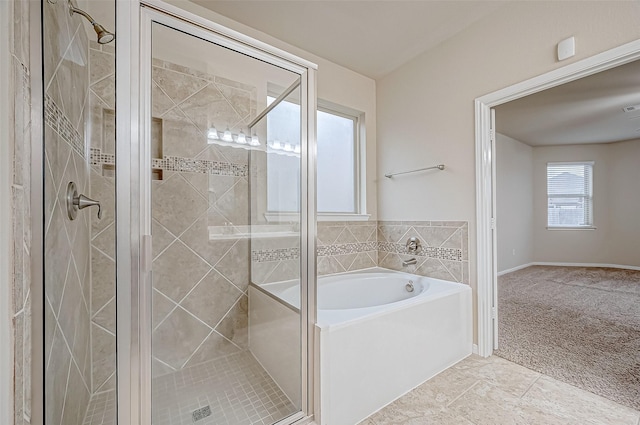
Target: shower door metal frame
(133,191)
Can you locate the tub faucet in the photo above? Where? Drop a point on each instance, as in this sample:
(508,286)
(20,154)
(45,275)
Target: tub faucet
(409,262)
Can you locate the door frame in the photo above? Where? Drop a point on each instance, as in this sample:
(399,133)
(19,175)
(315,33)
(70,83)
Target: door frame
(133,194)
(485,173)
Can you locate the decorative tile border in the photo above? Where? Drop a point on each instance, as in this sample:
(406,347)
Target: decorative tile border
(56,118)
(176,163)
(429,251)
(266,255)
(346,248)
(96,157)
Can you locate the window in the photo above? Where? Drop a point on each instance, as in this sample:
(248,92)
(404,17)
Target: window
(338,160)
(570,194)
(337,163)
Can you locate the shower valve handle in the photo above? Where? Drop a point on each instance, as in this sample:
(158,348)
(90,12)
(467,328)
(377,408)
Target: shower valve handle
(77,202)
(82,201)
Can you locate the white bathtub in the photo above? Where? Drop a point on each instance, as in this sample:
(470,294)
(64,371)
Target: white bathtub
(377,340)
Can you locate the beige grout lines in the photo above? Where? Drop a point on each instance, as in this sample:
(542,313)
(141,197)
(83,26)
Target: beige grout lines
(177,305)
(463,393)
(531,386)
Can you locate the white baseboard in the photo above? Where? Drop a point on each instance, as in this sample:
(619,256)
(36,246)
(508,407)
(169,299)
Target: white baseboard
(474,349)
(559,264)
(612,266)
(513,269)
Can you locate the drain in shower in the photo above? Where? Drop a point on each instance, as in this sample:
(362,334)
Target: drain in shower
(201,413)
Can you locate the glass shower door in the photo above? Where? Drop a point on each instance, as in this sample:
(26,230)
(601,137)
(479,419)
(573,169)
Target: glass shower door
(214,355)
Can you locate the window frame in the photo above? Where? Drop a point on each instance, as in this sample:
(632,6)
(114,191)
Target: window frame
(588,198)
(359,141)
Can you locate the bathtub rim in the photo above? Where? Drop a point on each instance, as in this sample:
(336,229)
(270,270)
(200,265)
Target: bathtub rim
(327,320)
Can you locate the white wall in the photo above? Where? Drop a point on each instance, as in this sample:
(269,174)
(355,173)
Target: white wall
(514,202)
(616,205)
(572,246)
(425,108)
(6,167)
(624,194)
(336,84)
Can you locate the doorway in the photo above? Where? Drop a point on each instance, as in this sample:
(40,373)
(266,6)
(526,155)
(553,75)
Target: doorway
(557,285)
(485,173)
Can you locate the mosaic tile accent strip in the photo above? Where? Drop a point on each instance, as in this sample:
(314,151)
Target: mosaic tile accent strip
(429,251)
(56,118)
(266,255)
(96,157)
(176,163)
(347,248)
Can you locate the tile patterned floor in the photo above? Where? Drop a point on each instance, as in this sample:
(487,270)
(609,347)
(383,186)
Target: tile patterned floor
(236,388)
(475,391)
(495,391)
(102,409)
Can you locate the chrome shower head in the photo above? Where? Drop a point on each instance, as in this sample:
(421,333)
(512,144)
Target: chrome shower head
(104,36)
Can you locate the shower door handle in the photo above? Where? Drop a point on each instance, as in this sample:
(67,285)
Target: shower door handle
(77,202)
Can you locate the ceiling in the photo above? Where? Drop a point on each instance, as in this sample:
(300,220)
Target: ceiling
(372,38)
(588,110)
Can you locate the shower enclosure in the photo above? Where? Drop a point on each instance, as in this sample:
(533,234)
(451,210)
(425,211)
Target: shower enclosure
(154,312)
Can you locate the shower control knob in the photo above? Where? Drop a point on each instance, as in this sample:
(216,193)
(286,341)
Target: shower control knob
(77,202)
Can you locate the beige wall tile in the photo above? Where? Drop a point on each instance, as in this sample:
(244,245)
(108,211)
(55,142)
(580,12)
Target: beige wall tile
(176,204)
(177,270)
(215,346)
(103,359)
(178,86)
(197,238)
(103,279)
(235,264)
(212,298)
(178,337)
(235,325)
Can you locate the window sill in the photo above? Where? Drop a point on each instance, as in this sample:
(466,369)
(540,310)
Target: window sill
(572,228)
(295,217)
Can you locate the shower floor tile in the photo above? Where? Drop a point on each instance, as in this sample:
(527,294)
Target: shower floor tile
(102,409)
(236,389)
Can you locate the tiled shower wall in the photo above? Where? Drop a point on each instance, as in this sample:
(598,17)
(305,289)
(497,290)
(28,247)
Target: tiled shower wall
(103,267)
(21,212)
(200,285)
(67,255)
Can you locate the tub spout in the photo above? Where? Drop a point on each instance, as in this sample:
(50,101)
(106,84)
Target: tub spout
(406,263)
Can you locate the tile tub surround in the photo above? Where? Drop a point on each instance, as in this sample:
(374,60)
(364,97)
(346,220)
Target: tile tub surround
(342,246)
(67,254)
(20,139)
(346,246)
(479,391)
(444,253)
(357,245)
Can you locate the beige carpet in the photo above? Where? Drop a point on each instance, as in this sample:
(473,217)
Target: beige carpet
(579,325)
